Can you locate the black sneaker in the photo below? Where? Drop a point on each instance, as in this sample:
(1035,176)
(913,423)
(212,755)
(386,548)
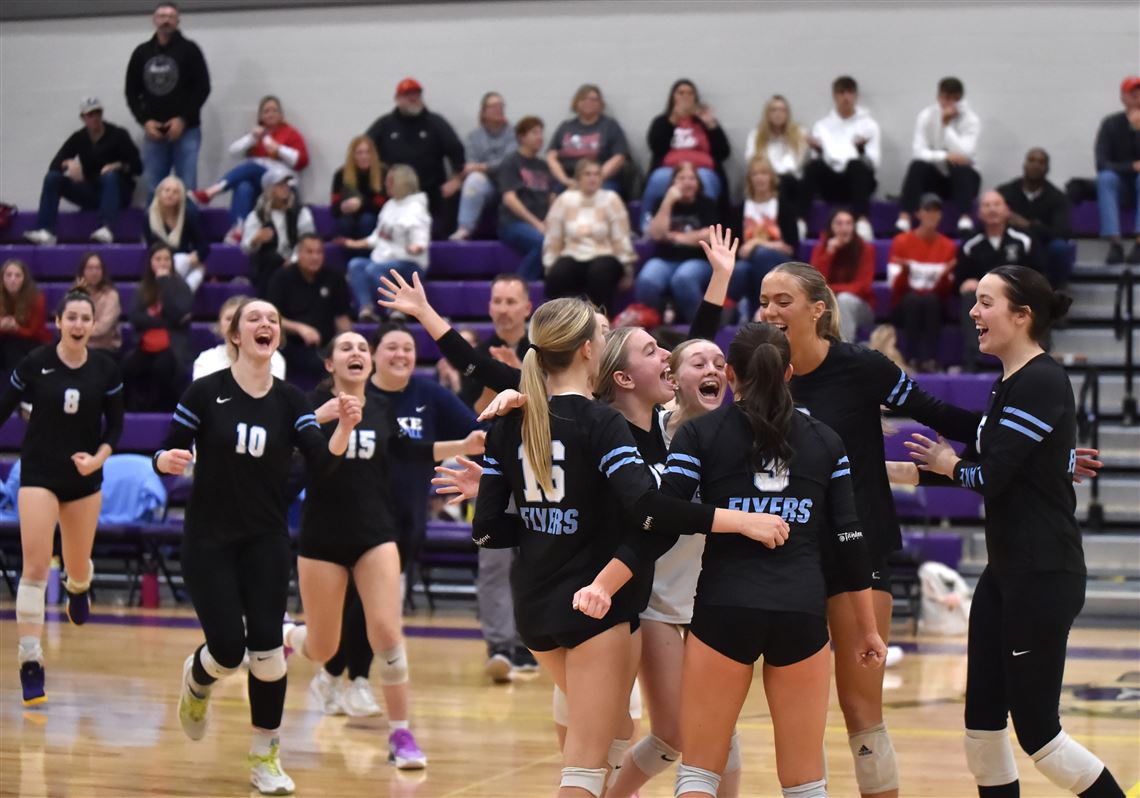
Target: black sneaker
(522,660)
(32,682)
(1134,255)
(498,665)
(1115,254)
(78,607)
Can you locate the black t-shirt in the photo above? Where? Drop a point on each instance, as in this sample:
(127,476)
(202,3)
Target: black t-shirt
(531,181)
(813,494)
(68,408)
(686,217)
(845,392)
(244,454)
(317,303)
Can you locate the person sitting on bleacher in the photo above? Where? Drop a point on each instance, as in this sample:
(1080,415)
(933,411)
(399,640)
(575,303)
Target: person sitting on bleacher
(23,315)
(270,144)
(225,354)
(92,277)
(769,233)
(95,168)
(528,189)
(358,190)
(400,240)
(847,263)
(588,134)
(1041,210)
(154,373)
(920,270)
(274,228)
(1118,170)
(781,140)
(997,245)
(486,147)
(174,221)
(313,303)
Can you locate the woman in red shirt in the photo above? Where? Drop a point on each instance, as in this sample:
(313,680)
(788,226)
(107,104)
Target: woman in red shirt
(23,320)
(847,263)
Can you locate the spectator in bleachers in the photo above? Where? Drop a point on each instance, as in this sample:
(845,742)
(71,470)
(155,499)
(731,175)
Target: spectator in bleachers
(313,302)
(769,234)
(509,310)
(92,277)
(847,262)
(847,146)
(1043,211)
(358,190)
(23,315)
(273,228)
(425,141)
(588,250)
(920,270)
(449,376)
(688,132)
(154,372)
(997,244)
(486,147)
(167,85)
(588,134)
(225,354)
(400,240)
(945,144)
(784,143)
(678,267)
(270,144)
(885,340)
(176,222)
(528,189)
(95,168)
(1118,170)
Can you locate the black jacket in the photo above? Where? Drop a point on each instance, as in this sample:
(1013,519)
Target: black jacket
(422,142)
(115,145)
(1117,144)
(1048,213)
(978,256)
(170,81)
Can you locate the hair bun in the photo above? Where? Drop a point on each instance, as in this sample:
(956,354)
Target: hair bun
(1059,305)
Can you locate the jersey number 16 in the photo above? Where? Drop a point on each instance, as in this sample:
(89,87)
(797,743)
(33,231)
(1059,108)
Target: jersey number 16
(531,490)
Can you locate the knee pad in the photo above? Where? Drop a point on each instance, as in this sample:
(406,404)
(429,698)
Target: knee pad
(810,789)
(654,756)
(1068,764)
(635,701)
(691,779)
(30,601)
(212,666)
(75,586)
(393,667)
(875,769)
(268,666)
(592,780)
(735,757)
(559,709)
(989,755)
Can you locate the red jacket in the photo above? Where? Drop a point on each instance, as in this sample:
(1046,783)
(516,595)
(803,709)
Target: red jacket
(285,135)
(858,283)
(920,267)
(36,327)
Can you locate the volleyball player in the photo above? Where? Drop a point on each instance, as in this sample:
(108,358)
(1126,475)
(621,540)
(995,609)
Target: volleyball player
(347,528)
(843,385)
(1033,586)
(565,461)
(72,390)
(236,555)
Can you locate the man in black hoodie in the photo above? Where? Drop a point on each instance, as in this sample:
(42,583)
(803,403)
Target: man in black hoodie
(413,135)
(1041,210)
(1118,170)
(167,85)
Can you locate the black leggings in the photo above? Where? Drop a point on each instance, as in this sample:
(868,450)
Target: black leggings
(597,278)
(1019,629)
(354,651)
(240,591)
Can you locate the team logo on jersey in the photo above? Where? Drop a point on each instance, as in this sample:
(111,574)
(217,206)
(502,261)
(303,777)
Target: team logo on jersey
(1118,699)
(771,480)
(1012,251)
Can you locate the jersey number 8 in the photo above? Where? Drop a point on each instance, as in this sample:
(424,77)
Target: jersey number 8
(250,439)
(71,401)
(531,490)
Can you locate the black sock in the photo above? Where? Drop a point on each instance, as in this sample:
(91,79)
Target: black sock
(197,672)
(1105,786)
(1011,790)
(266,702)
(335,666)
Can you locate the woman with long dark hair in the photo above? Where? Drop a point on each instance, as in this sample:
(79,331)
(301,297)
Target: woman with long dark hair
(847,264)
(155,371)
(92,276)
(23,319)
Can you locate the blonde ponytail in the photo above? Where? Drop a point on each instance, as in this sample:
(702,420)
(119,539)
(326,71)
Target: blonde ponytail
(536,419)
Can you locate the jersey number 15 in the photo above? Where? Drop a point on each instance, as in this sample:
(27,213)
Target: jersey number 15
(531,490)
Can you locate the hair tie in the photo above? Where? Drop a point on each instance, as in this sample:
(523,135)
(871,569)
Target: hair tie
(534,348)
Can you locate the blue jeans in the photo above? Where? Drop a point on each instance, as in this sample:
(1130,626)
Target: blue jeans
(527,241)
(477,189)
(356,225)
(1110,186)
(749,275)
(364,278)
(685,281)
(107,196)
(658,183)
(159,157)
(244,180)
(1059,258)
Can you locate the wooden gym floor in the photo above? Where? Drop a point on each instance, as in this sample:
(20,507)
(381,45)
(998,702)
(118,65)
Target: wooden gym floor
(110,727)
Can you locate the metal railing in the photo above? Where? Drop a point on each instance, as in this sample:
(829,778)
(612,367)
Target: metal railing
(1123,321)
(1088,431)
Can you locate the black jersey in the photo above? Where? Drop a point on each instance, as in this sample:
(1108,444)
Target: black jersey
(845,393)
(68,409)
(567,536)
(244,453)
(812,493)
(1026,444)
(352,503)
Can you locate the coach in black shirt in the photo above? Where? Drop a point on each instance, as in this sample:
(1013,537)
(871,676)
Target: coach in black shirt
(1042,211)
(509,309)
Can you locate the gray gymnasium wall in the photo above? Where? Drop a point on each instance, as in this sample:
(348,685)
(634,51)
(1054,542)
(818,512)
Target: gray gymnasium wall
(1039,73)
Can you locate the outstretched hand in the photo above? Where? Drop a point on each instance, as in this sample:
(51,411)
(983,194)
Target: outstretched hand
(1087,465)
(398,294)
(935,456)
(720,249)
(460,483)
(503,403)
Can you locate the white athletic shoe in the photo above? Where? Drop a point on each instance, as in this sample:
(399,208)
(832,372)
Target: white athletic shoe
(266,775)
(42,237)
(894,656)
(103,235)
(358,700)
(863,228)
(192,710)
(326,688)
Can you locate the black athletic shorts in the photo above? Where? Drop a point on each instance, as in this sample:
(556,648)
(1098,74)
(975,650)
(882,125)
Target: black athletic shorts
(838,583)
(569,639)
(67,488)
(326,545)
(745,634)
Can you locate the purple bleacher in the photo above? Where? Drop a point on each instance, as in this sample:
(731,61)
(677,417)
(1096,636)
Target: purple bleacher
(467,299)
(207,302)
(943,547)
(968,391)
(1086,220)
(940,502)
(470,259)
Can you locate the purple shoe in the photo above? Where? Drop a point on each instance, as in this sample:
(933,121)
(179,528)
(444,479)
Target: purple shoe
(78,607)
(403,751)
(32,680)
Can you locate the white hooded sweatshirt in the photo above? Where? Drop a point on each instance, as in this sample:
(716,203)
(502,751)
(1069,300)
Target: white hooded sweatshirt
(402,223)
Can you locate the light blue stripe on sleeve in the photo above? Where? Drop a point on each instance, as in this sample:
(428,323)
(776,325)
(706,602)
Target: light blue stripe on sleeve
(841,473)
(615,453)
(898,387)
(493,472)
(624,462)
(115,390)
(683,472)
(184,410)
(1005,422)
(684,458)
(1032,419)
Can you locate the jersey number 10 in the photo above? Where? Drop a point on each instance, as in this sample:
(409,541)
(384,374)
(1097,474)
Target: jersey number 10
(531,490)
(250,439)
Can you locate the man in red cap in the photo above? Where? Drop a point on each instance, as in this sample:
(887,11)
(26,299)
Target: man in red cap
(1118,170)
(413,135)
